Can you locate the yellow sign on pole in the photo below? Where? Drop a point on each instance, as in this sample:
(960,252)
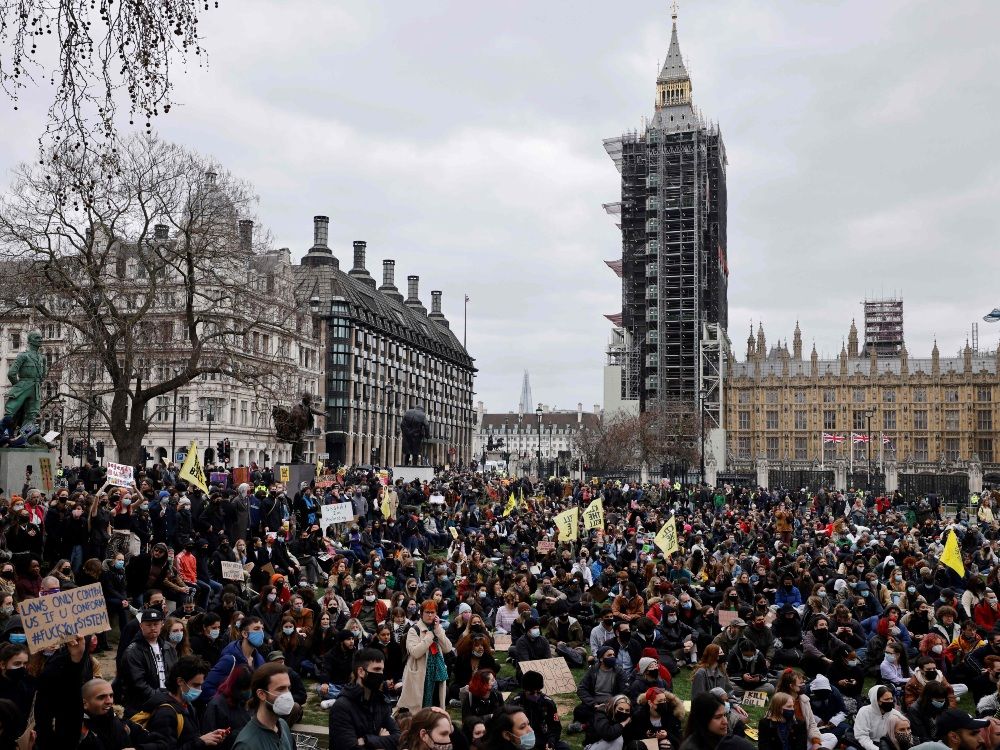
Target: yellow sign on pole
(192,470)
(284,474)
(568,524)
(666,537)
(593,516)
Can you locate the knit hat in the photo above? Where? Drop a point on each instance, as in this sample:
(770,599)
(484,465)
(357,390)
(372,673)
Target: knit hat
(820,683)
(645,664)
(344,635)
(463,608)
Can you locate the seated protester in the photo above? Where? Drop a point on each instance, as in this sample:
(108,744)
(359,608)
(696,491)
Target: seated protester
(16,684)
(690,613)
(818,645)
(602,682)
(646,676)
(608,727)
(920,620)
(946,624)
(747,669)
(895,668)
(787,629)
(394,657)
(369,610)
(989,704)
(793,682)
(986,614)
(927,671)
(337,665)
(899,735)
(603,631)
(205,636)
(924,711)
(871,723)
(982,684)
(667,666)
(736,716)
(291,643)
(780,728)
(298,687)
(361,716)
(730,635)
(245,650)
(958,653)
(228,707)
(172,714)
(146,663)
(760,635)
(659,714)
(959,731)
(532,645)
(710,672)
(888,623)
(564,630)
(543,716)
(102,729)
(846,674)
(472,653)
(677,638)
(481,697)
(788,594)
(272,705)
(828,708)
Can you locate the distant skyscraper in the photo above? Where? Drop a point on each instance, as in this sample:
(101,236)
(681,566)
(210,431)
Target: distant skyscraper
(673,265)
(524,407)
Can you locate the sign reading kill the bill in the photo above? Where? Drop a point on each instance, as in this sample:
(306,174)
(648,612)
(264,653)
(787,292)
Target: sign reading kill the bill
(54,619)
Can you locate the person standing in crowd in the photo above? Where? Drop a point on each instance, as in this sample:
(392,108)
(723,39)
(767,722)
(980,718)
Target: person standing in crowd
(425,676)
(270,702)
(361,716)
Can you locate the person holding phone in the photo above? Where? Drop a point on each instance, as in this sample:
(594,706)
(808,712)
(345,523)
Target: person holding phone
(426,645)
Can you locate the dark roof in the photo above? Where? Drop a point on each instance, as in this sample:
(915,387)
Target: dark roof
(382,312)
(529,420)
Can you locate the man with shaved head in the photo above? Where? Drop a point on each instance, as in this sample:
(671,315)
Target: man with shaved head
(102,730)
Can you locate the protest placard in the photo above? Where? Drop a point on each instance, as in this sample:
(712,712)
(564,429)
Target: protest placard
(241,475)
(555,674)
(220,478)
(501,642)
(284,474)
(120,475)
(726,616)
(545,548)
(54,619)
(45,469)
(337,513)
(322,484)
(453,531)
(231,571)
(755,698)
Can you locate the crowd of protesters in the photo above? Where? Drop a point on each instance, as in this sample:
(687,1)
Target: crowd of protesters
(833,610)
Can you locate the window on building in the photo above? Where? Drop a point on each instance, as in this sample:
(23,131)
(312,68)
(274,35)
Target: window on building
(920,449)
(952,447)
(829,396)
(743,447)
(771,396)
(984,449)
(771,445)
(801,449)
(984,420)
(829,419)
(800,420)
(858,395)
(15,340)
(860,452)
(889,419)
(829,452)
(984,393)
(920,419)
(183,408)
(800,396)
(920,395)
(889,395)
(771,418)
(951,395)
(744,420)
(744,397)
(859,420)
(951,420)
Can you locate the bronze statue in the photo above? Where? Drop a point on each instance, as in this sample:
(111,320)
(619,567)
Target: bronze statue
(290,426)
(415,431)
(24,399)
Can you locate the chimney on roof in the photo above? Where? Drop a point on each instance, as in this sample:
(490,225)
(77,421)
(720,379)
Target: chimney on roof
(388,287)
(246,236)
(359,271)
(413,294)
(597,408)
(436,313)
(161,232)
(320,254)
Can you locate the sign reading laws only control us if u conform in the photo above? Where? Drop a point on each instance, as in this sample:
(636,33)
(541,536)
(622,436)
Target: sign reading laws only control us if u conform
(54,619)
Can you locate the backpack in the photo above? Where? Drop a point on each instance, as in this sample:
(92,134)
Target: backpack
(142,718)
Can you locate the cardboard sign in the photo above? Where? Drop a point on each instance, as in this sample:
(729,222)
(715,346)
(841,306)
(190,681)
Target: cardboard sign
(45,469)
(454,532)
(545,548)
(336,513)
(501,642)
(54,619)
(726,616)
(755,698)
(231,571)
(284,474)
(241,475)
(651,743)
(556,677)
(322,484)
(120,475)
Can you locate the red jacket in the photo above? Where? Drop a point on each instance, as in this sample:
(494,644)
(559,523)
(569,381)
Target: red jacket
(381,611)
(986,617)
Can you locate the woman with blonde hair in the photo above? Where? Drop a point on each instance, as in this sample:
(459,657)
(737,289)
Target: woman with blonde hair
(791,681)
(607,730)
(780,728)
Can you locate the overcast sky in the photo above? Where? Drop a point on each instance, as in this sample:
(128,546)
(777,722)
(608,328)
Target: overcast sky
(463,139)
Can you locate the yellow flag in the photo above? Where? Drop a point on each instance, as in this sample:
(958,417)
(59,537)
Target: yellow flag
(593,516)
(511,502)
(568,523)
(666,537)
(191,470)
(952,556)
(386,505)
(319,467)
(522,504)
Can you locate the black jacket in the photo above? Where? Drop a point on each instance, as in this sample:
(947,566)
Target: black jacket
(111,733)
(585,690)
(163,721)
(352,717)
(140,679)
(531,649)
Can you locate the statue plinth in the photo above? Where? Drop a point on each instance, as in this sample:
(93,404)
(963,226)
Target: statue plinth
(14,463)
(409,473)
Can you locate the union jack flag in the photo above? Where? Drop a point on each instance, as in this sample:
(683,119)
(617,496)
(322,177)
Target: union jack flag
(886,440)
(829,437)
(859,438)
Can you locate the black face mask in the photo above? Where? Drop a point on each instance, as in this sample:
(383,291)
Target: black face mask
(373,681)
(885,707)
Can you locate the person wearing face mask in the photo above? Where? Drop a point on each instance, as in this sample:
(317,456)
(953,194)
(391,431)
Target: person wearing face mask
(268,609)
(926,672)
(780,729)
(871,723)
(172,714)
(540,709)
(818,645)
(113,585)
(482,696)
(228,707)
(245,650)
(205,636)
(370,610)
(361,717)
(828,708)
(747,669)
(658,714)
(604,680)
(15,683)
(430,729)
(532,645)
(923,712)
(847,673)
(473,653)
(393,653)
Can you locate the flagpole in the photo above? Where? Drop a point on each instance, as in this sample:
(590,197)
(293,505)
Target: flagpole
(851,444)
(881,451)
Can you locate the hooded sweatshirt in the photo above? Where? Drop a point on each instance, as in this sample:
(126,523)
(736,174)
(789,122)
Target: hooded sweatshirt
(871,725)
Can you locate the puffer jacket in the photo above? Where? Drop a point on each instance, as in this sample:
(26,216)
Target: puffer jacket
(870,724)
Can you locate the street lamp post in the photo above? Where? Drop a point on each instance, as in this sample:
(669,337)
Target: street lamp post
(173,431)
(506,447)
(211,418)
(538,453)
(702,394)
(548,458)
(868,418)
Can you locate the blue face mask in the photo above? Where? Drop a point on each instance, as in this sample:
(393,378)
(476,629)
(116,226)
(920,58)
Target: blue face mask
(191,694)
(527,741)
(119,564)
(18,638)
(256,638)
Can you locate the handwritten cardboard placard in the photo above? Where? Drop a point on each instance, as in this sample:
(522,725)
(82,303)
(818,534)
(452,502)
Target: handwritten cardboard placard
(755,698)
(726,616)
(284,474)
(54,619)
(545,548)
(555,674)
(337,513)
(231,571)
(45,469)
(120,475)
(651,743)
(501,642)
(322,484)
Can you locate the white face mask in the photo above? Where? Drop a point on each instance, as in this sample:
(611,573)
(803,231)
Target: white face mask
(283,704)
